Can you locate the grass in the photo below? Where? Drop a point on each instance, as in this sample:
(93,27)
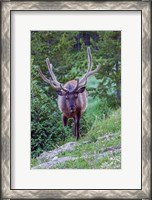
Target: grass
(80,163)
(106,162)
(34,162)
(99,149)
(97,107)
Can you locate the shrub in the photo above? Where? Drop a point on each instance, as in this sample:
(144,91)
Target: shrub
(47,130)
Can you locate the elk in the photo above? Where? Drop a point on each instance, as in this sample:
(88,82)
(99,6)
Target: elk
(72,96)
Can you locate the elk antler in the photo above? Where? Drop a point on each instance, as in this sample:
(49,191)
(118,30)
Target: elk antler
(43,77)
(52,81)
(83,80)
(77,86)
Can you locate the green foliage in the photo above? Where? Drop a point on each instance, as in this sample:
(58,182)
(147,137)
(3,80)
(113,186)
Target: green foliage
(67,53)
(97,108)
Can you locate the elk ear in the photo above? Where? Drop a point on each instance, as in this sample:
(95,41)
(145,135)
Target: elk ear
(80,90)
(60,92)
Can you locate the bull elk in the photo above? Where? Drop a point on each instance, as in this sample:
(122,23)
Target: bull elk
(72,96)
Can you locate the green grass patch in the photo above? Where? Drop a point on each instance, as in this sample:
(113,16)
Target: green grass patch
(106,162)
(111,124)
(34,162)
(97,108)
(80,163)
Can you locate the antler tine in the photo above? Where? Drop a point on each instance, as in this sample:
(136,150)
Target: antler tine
(89,59)
(94,71)
(54,81)
(77,85)
(55,86)
(83,80)
(82,84)
(48,80)
(51,72)
(43,77)
(89,66)
(63,88)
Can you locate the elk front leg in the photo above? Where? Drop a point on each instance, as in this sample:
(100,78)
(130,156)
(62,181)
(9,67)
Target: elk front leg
(75,126)
(78,125)
(65,120)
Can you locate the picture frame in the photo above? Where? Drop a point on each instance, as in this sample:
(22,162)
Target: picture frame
(6,8)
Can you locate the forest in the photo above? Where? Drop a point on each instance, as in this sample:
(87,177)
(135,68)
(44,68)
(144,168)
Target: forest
(100,127)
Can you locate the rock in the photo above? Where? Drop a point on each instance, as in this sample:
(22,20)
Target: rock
(112,148)
(46,156)
(55,158)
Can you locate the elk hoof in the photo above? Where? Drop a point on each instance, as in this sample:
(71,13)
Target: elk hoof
(78,137)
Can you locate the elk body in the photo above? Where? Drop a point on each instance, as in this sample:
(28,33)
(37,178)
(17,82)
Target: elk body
(72,96)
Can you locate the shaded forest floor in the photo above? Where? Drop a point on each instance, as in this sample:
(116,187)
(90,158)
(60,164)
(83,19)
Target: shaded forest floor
(99,149)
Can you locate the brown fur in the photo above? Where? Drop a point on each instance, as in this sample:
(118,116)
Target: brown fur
(80,106)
